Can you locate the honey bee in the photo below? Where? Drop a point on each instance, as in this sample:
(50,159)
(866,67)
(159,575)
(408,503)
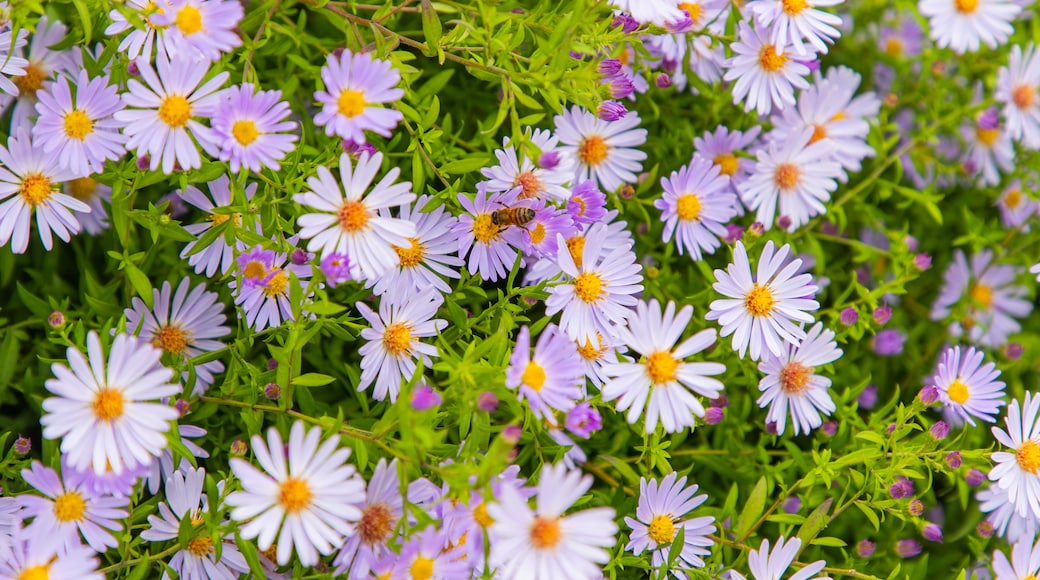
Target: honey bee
(512,216)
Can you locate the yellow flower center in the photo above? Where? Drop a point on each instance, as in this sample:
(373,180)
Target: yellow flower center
(894,47)
(35,189)
(529,184)
(351,103)
(376,524)
(576,246)
(819,132)
(219,218)
(727,163)
(108,404)
(769,59)
(1024,96)
(966,6)
(411,256)
(759,301)
(69,507)
(794,378)
(294,494)
(397,338)
(353,216)
(421,569)
(545,532)
(692,9)
(78,125)
(981,294)
(786,176)
(534,376)
(1028,456)
(592,151)
(175,111)
(480,515)
(244,131)
(688,207)
(171,339)
(1013,198)
(794,7)
(189,20)
(661,367)
(200,547)
(277,284)
(661,529)
(41,572)
(957,391)
(31,81)
(538,233)
(82,188)
(253,270)
(590,350)
(484,228)
(588,287)
(987,136)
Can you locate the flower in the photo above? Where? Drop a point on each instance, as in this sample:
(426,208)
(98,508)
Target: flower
(601,289)
(163,123)
(968,387)
(600,150)
(1017,88)
(962,25)
(393,345)
(722,147)
(583,420)
(661,381)
(354,82)
(764,72)
(559,546)
(78,131)
(697,202)
(140,41)
(307,494)
(96,195)
(1016,472)
(798,22)
(1016,208)
(551,379)
(792,385)
(184,328)
(35,554)
(348,221)
(489,248)
(771,565)
(424,555)
(1025,561)
(990,149)
(532,177)
(107,415)
(250,128)
(659,12)
(659,515)
(427,256)
(381,509)
(28,177)
(541,237)
(587,204)
(1001,514)
(42,66)
(218,255)
(336,269)
(11,65)
(888,342)
(201,28)
(762,311)
(265,288)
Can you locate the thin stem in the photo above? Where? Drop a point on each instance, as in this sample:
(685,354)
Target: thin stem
(149,558)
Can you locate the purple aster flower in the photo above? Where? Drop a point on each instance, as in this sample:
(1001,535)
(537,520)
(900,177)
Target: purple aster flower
(663,81)
(621,87)
(611,111)
(487,402)
(882,314)
(583,420)
(609,67)
(272,391)
(336,269)
(540,239)
(922,262)
(491,249)
(250,128)
(587,205)
(550,379)
(1013,350)
(22,444)
(974,477)
(354,82)
(888,342)
(714,415)
(792,504)
(424,397)
(200,28)
(867,399)
(953,459)
(849,316)
(915,507)
(79,131)
(928,395)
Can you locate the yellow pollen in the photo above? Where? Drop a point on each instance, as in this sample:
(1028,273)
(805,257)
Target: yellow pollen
(661,367)
(819,132)
(411,256)
(82,188)
(588,287)
(31,81)
(759,301)
(581,205)
(35,189)
(770,60)
(78,125)
(376,524)
(538,233)
(786,176)
(351,103)
(624,57)
(688,207)
(981,294)
(271,553)
(219,218)
(421,569)
(484,229)
(957,391)
(480,515)
(545,532)
(1013,198)
(171,339)
(189,20)
(244,132)
(397,339)
(353,216)
(1024,96)
(966,6)
(1028,456)
(1030,577)
(590,351)
(794,7)
(794,378)
(530,185)
(727,163)
(277,284)
(693,9)
(576,246)
(200,547)
(592,151)
(175,111)
(253,270)
(69,507)
(661,529)
(534,376)
(987,136)
(108,404)
(894,47)
(294,495)
(41,572)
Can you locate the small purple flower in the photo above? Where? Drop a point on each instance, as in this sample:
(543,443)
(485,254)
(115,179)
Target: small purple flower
(974,477)
(56,319)
(928,395)
(792,504)
(953,459)
(783,222)
(144,162)
(609,67)
(771,427)
(238,448)
(663,81)
(868,398)
(22,444)
(583,420)
(549,160)
(813,65)
(989,119)
(424,397)
(734,232)
(939,430)
(621,87)
(882,314)
(627,24)
(183,407)
(902,488)
(272,364)
(932,533)
(611,111)
(251,128)
(865,548)
(916,507)
(272,391)
(922,261)
(908,548)
(888,342)
(911,242)
(336,269)
(511,433)
(757,229)
(829,428)
(487,402)
(714,415)
(587,204)
(1013,350)
(985,529)
(300,257)
(849,316)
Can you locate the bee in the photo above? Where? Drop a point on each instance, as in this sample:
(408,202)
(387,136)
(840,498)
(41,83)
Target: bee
(512,216)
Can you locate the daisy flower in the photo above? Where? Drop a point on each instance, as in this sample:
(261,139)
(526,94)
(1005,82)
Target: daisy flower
(1016,207)
(765,310)
(381,510)
(723,147)
(42,65)
(97,196)
(1001,514)
(35,554)
(697,202)
(218,255)
(490,248)
(307,494)
(587,204)
(597,354)
(10,64)
(250,128)
(265,288)
(1025,561)
(551,379)
(659,516)
(661,381)
(967,386)
(990,148)
(186,498)
(393,345)
(349,221)
(764,71)
(163,123)
(659,12)
(354,82)
(600,291)
(797,22)
(424,556)
(1018,87)
(541,234)
(603,151)
(201,28)
(79,131)
(771,565)
(28,180)
(963,25)
(792,385)
(428,256)
(617,236)
(185,327)
(1016,472)
(572,546)
(107,415)
(541,177)
(140,41)
(68,507)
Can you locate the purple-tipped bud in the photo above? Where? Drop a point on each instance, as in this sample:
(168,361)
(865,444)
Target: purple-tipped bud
(272,364)
(300,257)
(143,162)
(868,398)
(932,533)
(487,402)
(908,548)
(733,233)
(56,319)
(424,397)
(953,459)
(22,444)
(882,314)
(792,504)
(621,87)
(928,395)
(911,242)
(756,229)
(849,316)
(549,160)
(720,401)
(916,507)
(890,429)
(272,391)
(356,150)
(865,548)
(985,529)
(338,51)
(627,191)
(783,222)
(511,433)
(626,23)
(609,67)
(974,477)
(611,111)
(183,407)
(714,415)
(902,488)
(663,81)
(922,262)
(771,427)
(238,448)
(1013,351)
(133,69)
(989,120)
(583,420)
(939,430)
(829,428)
(829,228)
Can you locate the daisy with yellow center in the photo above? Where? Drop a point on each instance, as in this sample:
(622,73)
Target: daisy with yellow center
(1016,206)
(381,511)
(696,204)
(425,557)
(251,128)
(266,284)
(1024,563)
(34,73)
(765,75)
(356,84)
(1018,88)
(427,258)
(1017,470)
(967,387)
(549,380)
(603,151)
(659,516)
(36,555)
(142,40)
(201,29)
(991,151)
(792,387)
(489,249)
(799,22)
(965,25)
(540,170)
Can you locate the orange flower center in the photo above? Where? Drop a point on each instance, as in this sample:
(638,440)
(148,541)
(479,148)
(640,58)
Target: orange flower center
(421,569)
(769,59)
(108,404)
(661,529)
(1028,456)
(35,189)
(957,391)
(966,6)
(545,532)
(31,81)
(759,301)
(200,547)
(175,111)
(1024,96)
(794,378)
(1013,198)
(661,367)
(376,524)
(351,103)
(480,515)
(794,7)
(987,136)
(353,216)
(277,284)
(189,20)
(688,207)
(69,507)
(529,184)
(411,256)
(588,287)
(576,246)
(78,125)
(592,151)
(727,163)
(786,176)
(534,376)
(244,132)
(294,494)
(397,338)
(41,572)
(484,228)
(171,339)
(981,294)
(82,188)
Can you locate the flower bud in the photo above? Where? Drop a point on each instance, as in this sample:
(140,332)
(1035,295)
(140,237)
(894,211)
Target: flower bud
(272,391)
(849,316)
(953,459)
(487,402)
(916,507)
(663,81)
(424,397)
(714,415)
(939,430)
(928,395)
(882,314)
(974,477)
(611,111)
(908,548)
(22,444)
(865,548)
(932,533)
(56,319)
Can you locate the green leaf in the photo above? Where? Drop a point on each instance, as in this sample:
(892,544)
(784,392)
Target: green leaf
(625,469)
(431,25)
(139,280)
(753,508)
(830,542)
(815,523)
(467,165)
(312,380)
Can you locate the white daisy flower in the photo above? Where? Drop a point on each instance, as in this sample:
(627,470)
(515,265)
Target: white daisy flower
(108,415)
(381,510)
(764,71)
(791,384)
(963,25)
(661,381)
(549,380)
(764,311)
(968,387)
(11,65)
(307,494)
(1018,87)
(659,515)
(798,21)
(140,41)
(1025,561)
(659,12)
(540,177)
(393,345)
(600,150)
(42,66)
(1000,513)
(771,565)
(543,539)
(35,554)
(349,221)
(1017,471)
(219,255)
(696,204)
(97,196)
(990,148)
(201,29)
